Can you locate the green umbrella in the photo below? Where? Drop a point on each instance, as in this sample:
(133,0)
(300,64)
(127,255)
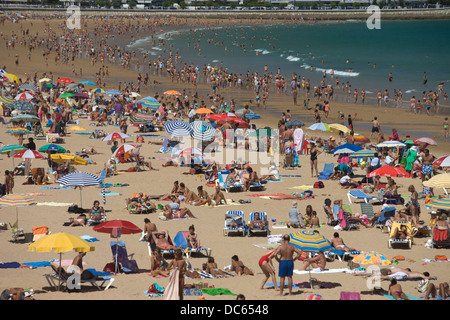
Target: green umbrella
(52,147)
(66,95)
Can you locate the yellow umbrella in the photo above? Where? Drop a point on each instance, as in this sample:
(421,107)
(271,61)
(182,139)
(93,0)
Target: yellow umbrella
(77,128)
(12,78)
(438,181)
(45,80)
(339,127)
(61,158)
(60,242)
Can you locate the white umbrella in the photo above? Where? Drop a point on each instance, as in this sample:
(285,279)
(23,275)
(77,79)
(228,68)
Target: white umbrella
(79,179)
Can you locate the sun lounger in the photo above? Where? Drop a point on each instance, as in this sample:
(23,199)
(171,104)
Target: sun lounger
(237,187)
(334,253)
(386,214)
(328,170)
(234,217)
(396,225)
(16,231)
(367,209)
(257,231)
(181,240)
(55,278)
(54,138)
(358,194)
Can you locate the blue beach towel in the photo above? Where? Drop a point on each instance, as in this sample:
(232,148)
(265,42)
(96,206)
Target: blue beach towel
(37,264)
(409,296)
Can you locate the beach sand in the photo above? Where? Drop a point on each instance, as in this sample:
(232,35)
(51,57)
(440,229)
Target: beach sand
(210,221)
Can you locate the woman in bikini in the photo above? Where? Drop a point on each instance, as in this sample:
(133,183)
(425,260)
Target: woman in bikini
(158,264)
(96,212)
(239,267)
(192,238)
(211,268)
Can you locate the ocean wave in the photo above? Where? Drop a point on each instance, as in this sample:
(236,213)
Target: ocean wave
(293,59)
(411,90)
(339,72)
(263,51)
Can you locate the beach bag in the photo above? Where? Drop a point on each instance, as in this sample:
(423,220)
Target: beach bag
(110,267)
(155,289)
(319,184)
(75,209)
(399,258)
(440,257)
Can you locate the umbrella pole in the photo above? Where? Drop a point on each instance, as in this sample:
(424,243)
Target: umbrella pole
(59,271)
(117,248)
(81,199)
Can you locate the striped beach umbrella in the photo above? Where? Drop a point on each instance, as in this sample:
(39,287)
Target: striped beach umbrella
(388,171)
(18,131)
(25,118)
(52,147)
(443,161)
(362,153)
(149,98)
(12,148)
(29,154)
(339,127)
(438,181)
(311,297)
(115,135)
(142,118)
(28,87)
(191,152)
(7,100)
(22,105)
(319,126)
(113,92)
(178,128)
(440,203)
(149,104)
(391,144)
(79,179)
(310,241)
(124,149)
(347,148)
(24,96)
(373,258)
(360,138)
(17,200)
(202,130)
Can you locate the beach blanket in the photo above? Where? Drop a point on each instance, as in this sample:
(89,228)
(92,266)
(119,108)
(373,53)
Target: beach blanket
(110,194)
(89,238)
(409,296)
(192,292)
(218,291)
(266,195)
(290,175)
(54,204)
(36,194)
(9,265)
(37,264)
(48,188)
(341,270)
(302,187)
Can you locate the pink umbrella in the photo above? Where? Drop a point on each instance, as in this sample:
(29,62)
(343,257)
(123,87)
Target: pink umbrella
(24,96)
(29,154)
(429,141)
(443,161)
(115,135)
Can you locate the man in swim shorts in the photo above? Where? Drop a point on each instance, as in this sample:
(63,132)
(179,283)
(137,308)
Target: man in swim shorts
(285,256)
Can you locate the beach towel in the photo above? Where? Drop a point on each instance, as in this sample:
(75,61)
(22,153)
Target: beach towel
(192,292)
(54,204)
(110,194)
(299,139)
(154,291)
(9,265)
(271,285)
(172,290)
(409,296)
(218,291)
(290,175)
(57,188)
(37,264)
(341,270)
(303,187)
(89,238)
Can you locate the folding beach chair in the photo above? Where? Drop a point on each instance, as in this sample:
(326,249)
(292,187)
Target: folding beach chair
(358,194)
(327,171)
(257,231)
(386,214)
(16,231)
(119,252)
(367,209)
(181,240)
(56,278)
(396,225)
(234,223)
(237,187)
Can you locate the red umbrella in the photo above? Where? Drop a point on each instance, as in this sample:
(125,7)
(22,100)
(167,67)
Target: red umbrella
(28,154)
(389,171)
(115,135)
(443,161)
(65,80)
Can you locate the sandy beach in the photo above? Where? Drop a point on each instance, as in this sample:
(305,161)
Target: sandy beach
(210,220)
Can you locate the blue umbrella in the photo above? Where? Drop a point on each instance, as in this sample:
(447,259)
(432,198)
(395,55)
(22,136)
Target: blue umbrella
(22,105)
(113,92)
(178,128)
(88,82)
(294,123)
(319,126)
(347,148)
(79,179)
(149,98)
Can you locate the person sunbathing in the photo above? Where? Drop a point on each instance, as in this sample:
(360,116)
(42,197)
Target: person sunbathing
(314,221)
(401,233)
(200,199)
(252,179)
(218,197)
(149,228)
(297,196)
(173,210)
(396,291)
(317,263)
(158,264)
(239,267)
(172,192)
(96,213)
(79,221)
(192,238)
(338,243)
(258,224)
(161,241)
(211,268)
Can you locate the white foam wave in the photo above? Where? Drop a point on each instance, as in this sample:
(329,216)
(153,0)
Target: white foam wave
(292,58)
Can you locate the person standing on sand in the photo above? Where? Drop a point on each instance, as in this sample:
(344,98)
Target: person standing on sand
(445,125)
(266,265)
(178,264)
(375,126)
(314,152)
(286,254)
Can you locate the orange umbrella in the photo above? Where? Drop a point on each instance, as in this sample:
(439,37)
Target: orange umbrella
(172,93)
(203,110)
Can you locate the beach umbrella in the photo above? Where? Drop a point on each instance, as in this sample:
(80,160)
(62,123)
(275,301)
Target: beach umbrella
(62,158)
(25,118)
(319,126)
(124,149)
(203,111)
(60,242)
(178,128)
(443,161)
(389,171)
(347,148)
(98,90)
(12,148)
(134,94)
(202,130)
(11,77)
(426,140)
(113,92)
(81,95)
(373,258)
(29,154)
(2,72)
(79,179)
(339,127)
(24,96)
(440,203)
(360,138)
(149,104)
(22,105)
(438,181)
(65,80)
(391,144)
(45,80)
(88,82)
(172,93)
(18,131)
(17,200)
(142,118)
(28,87)
(66,95)
(7,100)
(362,153)
(240,123)
(52,147)
(116,228)
(149,98)
(115,135)
(294,123)
(191,152)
